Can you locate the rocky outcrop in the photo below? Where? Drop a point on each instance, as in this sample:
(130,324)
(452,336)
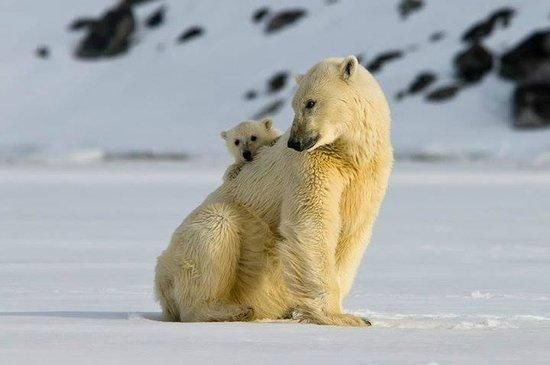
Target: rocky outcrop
(156,19)
(531,104)
(531,56)
(473,64)
(382,59)
(108,36)
(443,93)
(408,7)
(191,33)
(283,19)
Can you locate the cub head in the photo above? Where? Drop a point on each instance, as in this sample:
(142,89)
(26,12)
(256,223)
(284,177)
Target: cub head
(245,139)
(330,103)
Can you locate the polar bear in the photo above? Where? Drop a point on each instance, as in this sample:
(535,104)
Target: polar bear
(245,140)
(288,233)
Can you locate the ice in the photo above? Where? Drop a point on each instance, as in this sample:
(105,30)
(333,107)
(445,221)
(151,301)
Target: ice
(456,271)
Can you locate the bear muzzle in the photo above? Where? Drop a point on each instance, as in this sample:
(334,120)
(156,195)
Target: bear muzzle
(247,155)
(302,144)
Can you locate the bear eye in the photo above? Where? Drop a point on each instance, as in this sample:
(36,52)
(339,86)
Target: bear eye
(310,104)
(237,142)
(253,138)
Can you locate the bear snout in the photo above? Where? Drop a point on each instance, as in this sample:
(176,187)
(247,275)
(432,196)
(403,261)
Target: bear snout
(247,155)
(302,144)
(294,144)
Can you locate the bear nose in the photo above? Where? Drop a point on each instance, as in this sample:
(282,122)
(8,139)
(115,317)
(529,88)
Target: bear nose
(294,144)
(299,144)
(247,155)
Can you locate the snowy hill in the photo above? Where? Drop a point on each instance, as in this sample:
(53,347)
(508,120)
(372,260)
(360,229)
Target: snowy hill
(175,98)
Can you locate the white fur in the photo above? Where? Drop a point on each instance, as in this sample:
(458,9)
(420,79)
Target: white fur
(248,137)
(287,234)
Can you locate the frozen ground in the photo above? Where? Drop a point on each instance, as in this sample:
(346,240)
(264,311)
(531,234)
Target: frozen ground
(457,271)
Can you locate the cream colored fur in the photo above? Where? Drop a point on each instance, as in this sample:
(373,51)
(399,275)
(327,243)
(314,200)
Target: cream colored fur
(288,233)
(248,137)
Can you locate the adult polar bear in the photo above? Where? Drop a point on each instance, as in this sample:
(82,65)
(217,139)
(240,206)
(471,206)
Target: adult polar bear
(288,233)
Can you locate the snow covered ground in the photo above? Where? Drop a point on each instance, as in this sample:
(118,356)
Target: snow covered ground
(457,272)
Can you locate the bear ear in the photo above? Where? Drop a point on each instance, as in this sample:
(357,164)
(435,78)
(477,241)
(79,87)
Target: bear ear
(268,123)
(348,67)
(224,135)
(298,79)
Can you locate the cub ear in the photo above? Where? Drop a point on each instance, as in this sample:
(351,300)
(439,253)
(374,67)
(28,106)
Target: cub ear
(298,79)
(224,135)
(268,123)
(348,67)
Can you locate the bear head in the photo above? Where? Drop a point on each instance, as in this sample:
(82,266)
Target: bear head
(337,99)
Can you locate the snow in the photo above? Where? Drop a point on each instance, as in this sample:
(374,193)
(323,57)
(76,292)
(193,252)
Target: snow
(457,271)
(177,98)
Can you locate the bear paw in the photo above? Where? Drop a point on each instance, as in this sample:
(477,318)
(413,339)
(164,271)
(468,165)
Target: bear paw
(244,315)
(329,319)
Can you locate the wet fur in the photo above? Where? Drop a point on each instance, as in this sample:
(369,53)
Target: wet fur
(288,232)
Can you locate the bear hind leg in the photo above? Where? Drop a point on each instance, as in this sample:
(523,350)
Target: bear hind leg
(208,270)
(222,312)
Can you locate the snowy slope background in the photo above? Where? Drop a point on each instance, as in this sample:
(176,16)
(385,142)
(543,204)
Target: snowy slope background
(165,97)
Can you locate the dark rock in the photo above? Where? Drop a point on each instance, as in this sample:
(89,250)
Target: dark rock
(82,23)
(260,14)
(473,64)
(379,61)
(190,33)
(421,82)
(42,52)
(137,2)
(156,19)
(531,104)
(283,19)
(109,35)
(527,58)
(443,93)
(407,7)
(478,31)
(502,17)
(482,29)
(270,109)
(277,82)
(437,36)
(251,95)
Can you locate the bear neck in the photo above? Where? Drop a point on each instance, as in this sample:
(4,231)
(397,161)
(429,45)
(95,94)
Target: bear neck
(356,154)
(365,148)
(370,138)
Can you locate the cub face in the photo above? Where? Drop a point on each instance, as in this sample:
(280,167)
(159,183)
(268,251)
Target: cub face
(245,139)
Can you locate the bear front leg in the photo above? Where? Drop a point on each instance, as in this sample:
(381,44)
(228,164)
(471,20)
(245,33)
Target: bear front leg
(311,227)
(232,171)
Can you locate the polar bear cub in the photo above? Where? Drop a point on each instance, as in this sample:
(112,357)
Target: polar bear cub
(245,140)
